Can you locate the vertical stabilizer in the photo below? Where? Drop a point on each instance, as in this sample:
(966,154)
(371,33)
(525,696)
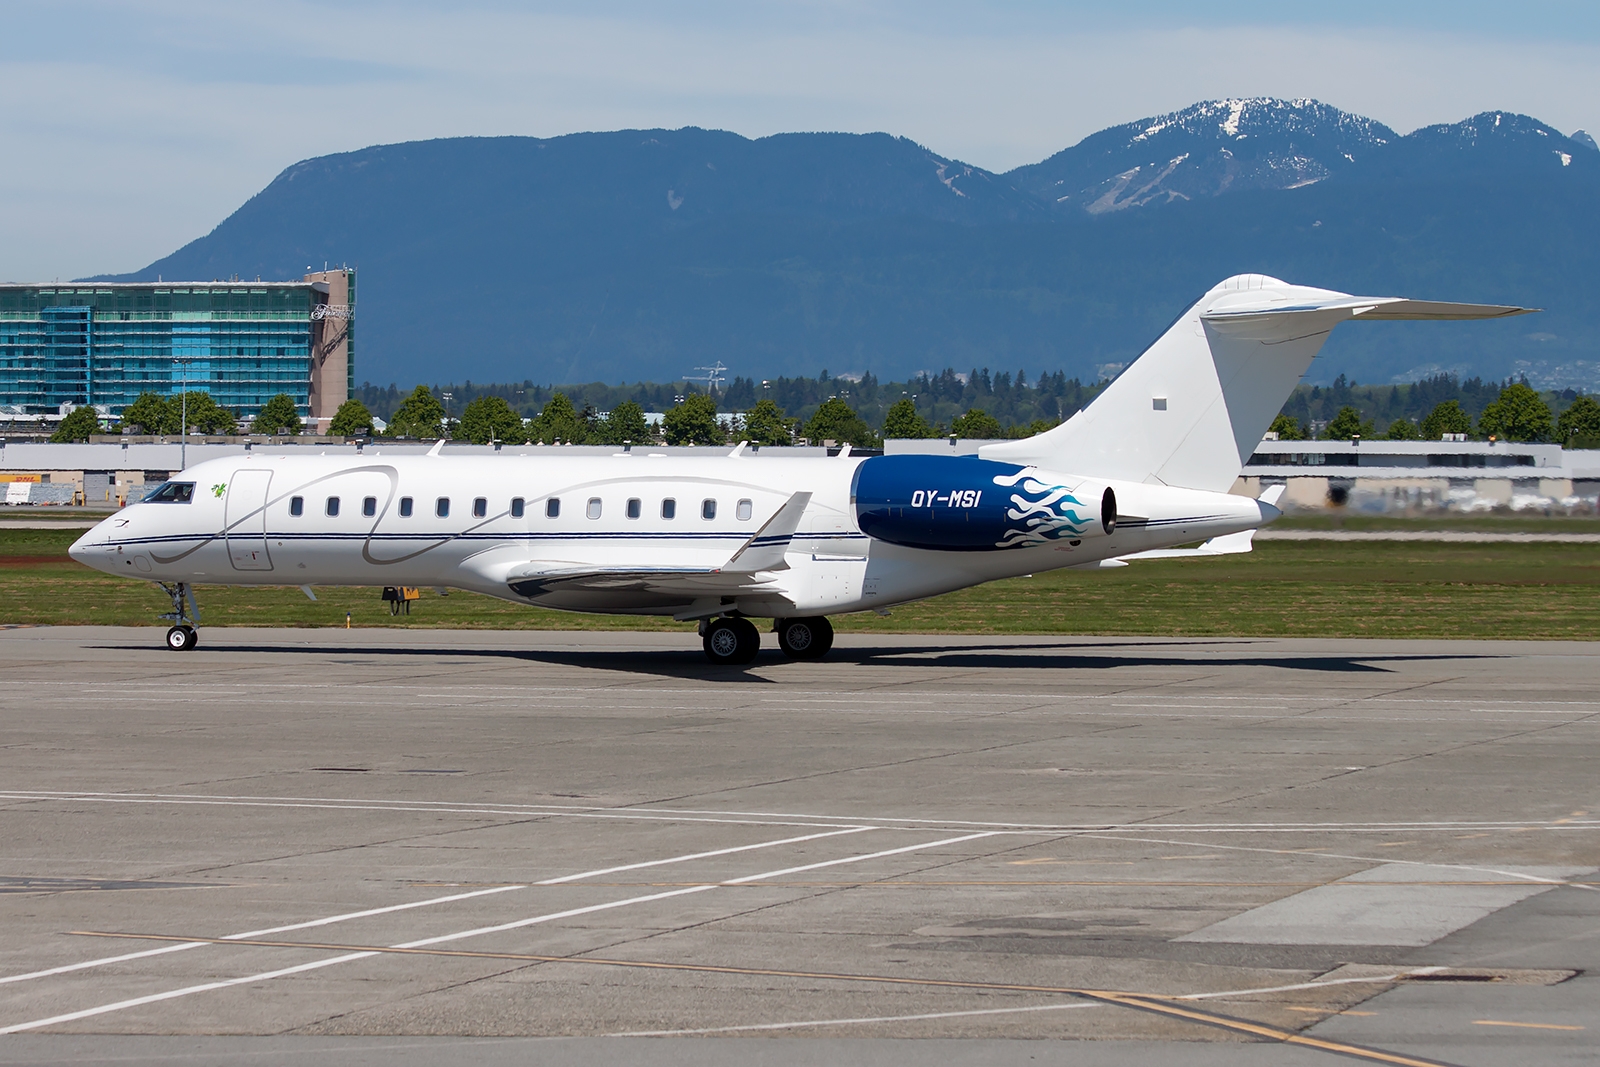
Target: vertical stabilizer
(1190,411)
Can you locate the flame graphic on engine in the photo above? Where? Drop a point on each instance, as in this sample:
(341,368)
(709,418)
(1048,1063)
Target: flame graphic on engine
(1041,512)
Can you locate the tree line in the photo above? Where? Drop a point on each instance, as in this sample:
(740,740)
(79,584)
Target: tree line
(861,412)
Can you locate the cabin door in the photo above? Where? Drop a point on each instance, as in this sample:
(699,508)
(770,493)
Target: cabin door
(246,517)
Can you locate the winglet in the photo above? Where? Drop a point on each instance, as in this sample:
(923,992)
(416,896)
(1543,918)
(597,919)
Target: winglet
(766,549)
(738,450)
(437,448)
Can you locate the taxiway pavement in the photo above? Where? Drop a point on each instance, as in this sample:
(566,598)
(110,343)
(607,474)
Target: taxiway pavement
(410,846)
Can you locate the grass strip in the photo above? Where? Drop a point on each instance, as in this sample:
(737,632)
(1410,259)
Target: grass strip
(1283,588)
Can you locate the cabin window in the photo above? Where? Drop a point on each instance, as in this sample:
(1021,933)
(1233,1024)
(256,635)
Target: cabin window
(552,508)
(593,510)
(635,507)
(441,507)
(669,508)
(480,507)
(405,507)
(297,506)
(171,493)
(708,508)
(333,505)
(746,509)
(516,507)
(369,506)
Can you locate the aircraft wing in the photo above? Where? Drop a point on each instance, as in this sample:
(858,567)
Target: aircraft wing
(549,578)
(763,552)
(1363,308)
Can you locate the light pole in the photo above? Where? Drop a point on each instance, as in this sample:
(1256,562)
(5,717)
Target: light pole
(183,413)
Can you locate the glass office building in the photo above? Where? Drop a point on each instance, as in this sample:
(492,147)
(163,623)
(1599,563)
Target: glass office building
(104,344)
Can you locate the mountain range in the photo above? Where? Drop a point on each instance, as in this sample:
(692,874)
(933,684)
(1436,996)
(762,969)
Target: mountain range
(643,254)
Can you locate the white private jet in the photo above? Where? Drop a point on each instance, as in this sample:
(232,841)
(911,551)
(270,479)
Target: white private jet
(1145,467)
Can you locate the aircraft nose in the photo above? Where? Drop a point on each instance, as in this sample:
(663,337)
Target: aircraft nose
(90,548)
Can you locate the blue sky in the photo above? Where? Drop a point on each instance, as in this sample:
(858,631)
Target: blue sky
(132,128)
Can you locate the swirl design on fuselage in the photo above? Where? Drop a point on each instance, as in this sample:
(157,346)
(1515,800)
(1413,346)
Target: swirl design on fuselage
(1044,511)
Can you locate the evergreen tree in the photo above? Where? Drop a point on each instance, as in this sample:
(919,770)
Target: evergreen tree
(1287,427)
(1579,425)
(77,426)
(1347,424)
(694,422)
(903,421)
(351,420)
(559,421)
(419,415)
(1446,417)
(1520,414)
(767,424)
(147,415)
(977,424)
(835,421)
(278,415)
(490,418)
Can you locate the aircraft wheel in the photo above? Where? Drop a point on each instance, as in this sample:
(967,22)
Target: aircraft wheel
(731,641)
(182,638)
(805,638)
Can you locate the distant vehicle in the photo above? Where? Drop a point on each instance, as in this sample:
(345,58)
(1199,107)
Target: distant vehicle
(721,540)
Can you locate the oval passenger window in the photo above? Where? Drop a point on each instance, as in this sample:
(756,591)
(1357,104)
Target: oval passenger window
(635,508)
(333,505)
(669,508)
(552,508)
(708,508)
(369,506)
(593,510)
(516,507)
(746,509)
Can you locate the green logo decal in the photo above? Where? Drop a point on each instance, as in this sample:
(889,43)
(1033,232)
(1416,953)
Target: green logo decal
(218,489)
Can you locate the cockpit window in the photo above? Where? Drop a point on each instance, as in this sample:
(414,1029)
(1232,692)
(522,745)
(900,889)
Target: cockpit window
(171,493)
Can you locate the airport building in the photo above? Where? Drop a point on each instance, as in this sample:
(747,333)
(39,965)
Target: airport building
(103,344)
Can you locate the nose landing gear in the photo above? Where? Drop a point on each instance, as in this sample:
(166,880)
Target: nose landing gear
(184,614)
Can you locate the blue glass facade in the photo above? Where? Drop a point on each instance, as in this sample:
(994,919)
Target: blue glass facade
(105,344)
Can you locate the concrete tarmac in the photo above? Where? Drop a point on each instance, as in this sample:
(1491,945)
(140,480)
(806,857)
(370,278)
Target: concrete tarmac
(414,846)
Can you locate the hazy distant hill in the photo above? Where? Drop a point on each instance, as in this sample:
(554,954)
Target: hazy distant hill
(643,254)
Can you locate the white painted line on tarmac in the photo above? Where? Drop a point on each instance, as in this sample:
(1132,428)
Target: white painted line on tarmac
(392,908)
(263,976)
(180,947)
(852,1022)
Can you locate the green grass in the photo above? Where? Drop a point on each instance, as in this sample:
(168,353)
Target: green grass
(1296,588)
(1487,522)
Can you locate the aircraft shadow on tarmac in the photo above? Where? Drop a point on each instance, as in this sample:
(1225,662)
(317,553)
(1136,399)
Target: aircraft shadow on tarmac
(689,662)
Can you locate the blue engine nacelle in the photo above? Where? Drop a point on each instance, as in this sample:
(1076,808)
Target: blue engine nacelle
(963,503)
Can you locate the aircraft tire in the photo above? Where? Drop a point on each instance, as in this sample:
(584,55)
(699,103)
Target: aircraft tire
(182,638)
(731,642)
(805,638)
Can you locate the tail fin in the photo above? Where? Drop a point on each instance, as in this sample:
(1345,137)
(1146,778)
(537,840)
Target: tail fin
(1192,408)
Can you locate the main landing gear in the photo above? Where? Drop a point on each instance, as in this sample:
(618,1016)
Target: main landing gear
(805,638)
(185,614)
(732,641)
